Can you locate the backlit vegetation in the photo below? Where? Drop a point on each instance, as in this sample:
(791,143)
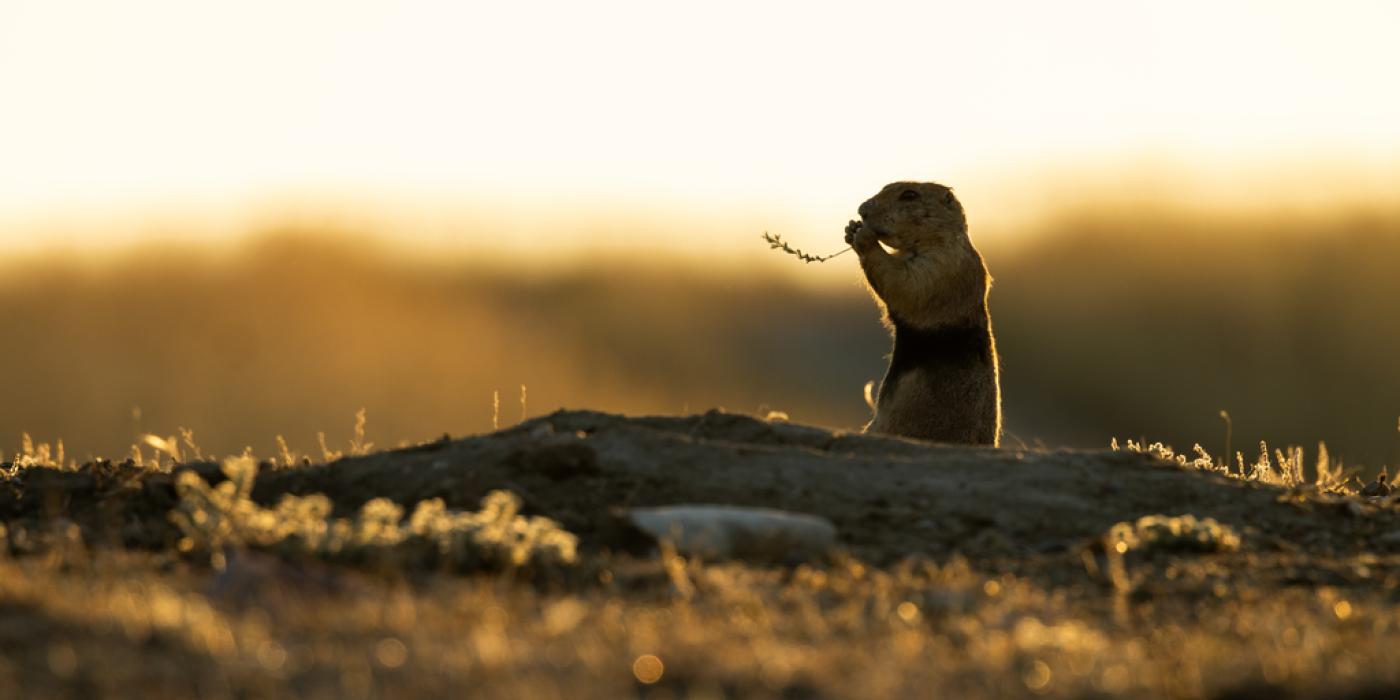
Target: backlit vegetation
(1285,469)
(1183,532)
(212,519)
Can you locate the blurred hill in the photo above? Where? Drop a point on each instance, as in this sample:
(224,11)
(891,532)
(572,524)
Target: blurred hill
(1110,324)
(1149,325)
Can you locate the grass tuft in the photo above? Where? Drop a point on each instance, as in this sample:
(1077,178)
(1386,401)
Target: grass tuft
(1285,468)
(1181,533)
(496,537)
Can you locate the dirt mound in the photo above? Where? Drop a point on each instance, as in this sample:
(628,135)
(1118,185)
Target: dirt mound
(889,498)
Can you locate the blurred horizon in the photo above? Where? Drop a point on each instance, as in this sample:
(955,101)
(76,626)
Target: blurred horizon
(999,213)
(1123,324)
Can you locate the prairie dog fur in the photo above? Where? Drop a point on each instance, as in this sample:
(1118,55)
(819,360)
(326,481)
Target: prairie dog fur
(943,381)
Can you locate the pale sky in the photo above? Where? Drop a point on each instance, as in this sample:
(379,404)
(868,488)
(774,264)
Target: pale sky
(738,114)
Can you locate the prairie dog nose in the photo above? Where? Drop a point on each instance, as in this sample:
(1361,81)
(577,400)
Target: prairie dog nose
(865,209)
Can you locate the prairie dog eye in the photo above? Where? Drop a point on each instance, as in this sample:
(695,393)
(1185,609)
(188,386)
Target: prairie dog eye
(908,196)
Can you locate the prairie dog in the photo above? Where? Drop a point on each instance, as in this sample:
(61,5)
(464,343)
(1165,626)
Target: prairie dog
(942,383)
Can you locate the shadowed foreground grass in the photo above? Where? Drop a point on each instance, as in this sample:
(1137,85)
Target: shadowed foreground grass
(147,625)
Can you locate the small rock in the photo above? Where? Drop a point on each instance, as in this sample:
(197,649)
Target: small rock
(735,532)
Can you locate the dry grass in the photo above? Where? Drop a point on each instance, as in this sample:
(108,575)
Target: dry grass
(114,625)
(213,519)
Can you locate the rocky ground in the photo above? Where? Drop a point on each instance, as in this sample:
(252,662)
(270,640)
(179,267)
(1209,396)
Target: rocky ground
(960,572)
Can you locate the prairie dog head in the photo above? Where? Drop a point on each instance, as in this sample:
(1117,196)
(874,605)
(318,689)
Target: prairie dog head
(935,276)
(916,217)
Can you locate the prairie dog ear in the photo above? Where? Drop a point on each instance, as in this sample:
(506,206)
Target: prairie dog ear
(949,199)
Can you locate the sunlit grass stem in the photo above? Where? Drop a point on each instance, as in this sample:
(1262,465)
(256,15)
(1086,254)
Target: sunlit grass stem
(776,242)
(1229,434)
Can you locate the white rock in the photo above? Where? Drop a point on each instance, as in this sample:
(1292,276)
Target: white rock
(725,532)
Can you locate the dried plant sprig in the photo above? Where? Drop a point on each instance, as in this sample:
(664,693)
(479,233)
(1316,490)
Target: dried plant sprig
(776,242)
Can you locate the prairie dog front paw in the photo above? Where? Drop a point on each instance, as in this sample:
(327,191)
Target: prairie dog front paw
(861,238)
